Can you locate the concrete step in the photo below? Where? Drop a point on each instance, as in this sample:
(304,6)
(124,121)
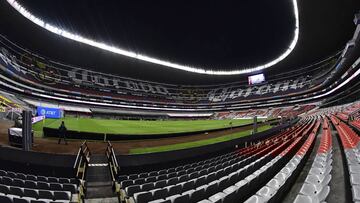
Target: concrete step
(103,200)
(99,184)
(99,190)
(98,178)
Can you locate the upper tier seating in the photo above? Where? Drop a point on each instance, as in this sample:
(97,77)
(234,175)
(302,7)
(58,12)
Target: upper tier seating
(268,113)
(63,82)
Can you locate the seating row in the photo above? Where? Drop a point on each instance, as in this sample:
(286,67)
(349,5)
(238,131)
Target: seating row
(29,188)
(249,178)
(38,178)
(316,186)
(203,188)
(272,191)
(38,185)
(351,145)
(197,180)
(244,189)
(128,186)
(356,123)
(31,194)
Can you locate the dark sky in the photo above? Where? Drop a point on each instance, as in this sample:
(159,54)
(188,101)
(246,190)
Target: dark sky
(198,33)
(209,34)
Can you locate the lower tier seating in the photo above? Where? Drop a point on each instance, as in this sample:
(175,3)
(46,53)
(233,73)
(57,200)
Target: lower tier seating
(316,186)
(207,180)
(351,145)
(29,188)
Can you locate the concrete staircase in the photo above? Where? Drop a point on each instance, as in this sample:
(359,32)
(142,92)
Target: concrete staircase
(98,181)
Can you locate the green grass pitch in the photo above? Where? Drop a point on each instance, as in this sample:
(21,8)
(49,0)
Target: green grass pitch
(199,143)
(136,127)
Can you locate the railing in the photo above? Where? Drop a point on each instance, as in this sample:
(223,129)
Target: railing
(113,164)
(80,167)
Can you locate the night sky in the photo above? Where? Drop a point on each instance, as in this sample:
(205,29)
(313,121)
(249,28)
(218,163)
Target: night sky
(209,34)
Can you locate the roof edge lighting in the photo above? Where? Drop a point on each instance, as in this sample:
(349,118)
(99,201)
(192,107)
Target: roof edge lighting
(149,59)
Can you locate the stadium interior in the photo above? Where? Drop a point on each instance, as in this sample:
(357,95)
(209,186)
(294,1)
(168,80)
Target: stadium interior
(179,102)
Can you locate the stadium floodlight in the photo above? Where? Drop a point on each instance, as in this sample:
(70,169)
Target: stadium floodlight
(27,14)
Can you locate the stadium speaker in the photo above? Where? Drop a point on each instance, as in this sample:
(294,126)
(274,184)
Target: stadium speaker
(26,130)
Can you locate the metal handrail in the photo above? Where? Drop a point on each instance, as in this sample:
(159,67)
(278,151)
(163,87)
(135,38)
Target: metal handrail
(113,164)
(80,166)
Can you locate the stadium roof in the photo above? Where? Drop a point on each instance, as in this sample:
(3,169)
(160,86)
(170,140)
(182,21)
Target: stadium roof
(221,36)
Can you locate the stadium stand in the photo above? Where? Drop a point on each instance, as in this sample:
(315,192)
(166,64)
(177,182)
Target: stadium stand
(201,180)
(350,142)
(19,187)
(67,83)
(275,112)
(356,123)
(273,188)
(256,168)
(316,187)
(30,187)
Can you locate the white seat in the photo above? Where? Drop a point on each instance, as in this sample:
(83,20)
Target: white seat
(250,177)
(258,172)
(241,183)
(269,164)
(291,165)
(287,171)
(325,155)
(296,160)
(230,189)
(315,191)
(157,201)
(321,164)
(356,192)
(216,197)
(355,179)
(353,161)
(281,177)
(323,194)
(310,189)
(255,199)
(302,199)
(205,201)
(322,158)
(275,183)
(318,179)
(354,151)
(266,193)
(320,171)
(352,155)
(276,159)
(354,169)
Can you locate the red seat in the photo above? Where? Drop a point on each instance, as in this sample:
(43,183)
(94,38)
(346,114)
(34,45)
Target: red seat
(349,138)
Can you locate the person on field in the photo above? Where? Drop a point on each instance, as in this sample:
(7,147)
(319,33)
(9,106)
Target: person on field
(62,133)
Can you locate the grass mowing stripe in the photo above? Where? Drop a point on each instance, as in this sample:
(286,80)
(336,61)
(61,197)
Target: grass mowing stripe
(199,143)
